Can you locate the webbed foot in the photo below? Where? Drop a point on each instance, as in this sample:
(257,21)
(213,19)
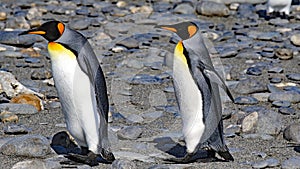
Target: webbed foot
(89,159)
(107,155)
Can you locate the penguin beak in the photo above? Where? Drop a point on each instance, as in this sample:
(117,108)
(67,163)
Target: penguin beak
(33,31)
(167,27)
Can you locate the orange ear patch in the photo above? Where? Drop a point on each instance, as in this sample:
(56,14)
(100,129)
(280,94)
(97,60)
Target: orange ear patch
(192,30)
(61,28)
(169,29)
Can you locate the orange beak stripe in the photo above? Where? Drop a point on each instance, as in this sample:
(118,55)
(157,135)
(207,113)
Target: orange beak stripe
(61,28)
(192,30)
(37,32)
(169,29)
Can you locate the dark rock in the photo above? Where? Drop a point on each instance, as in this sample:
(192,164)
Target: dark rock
(245,10)
(292,133)
(62,143)
(245,100)
(123,164)
(275,80)
(13,38)
(209,8)
(28,146)
(281,103)
(289,96)
(130,132)
(287,111)
(292,88)
(254,71)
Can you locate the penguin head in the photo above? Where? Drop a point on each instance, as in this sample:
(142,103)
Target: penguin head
(184,30)
(51,30)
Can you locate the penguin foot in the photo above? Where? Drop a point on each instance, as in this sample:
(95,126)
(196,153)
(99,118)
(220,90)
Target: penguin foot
(182,160)
(107,155)
(226,156)
(89,159)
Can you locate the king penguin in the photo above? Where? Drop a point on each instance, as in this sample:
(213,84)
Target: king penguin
(279,6)
(81,88)
(196,85)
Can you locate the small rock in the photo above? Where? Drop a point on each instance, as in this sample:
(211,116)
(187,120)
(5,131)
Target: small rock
(249,86)
(130,132)
(79,24)
(284,54)
(287,111)
(3,16)
(151,116)
(289,96)
(7,117)
(129,43)
(134,118)
(184,8)
(159,166)
(272,162)
(123,164)
(295,39)
(275,70)
(275,80)
(260,164)
(294,76)
(269,123)
(13,38)
(249,122)
(16,129)
(41,74)
(36,164)
(292,133)
(281,103)
(28,146)
(291,163)
(209,8)
(18,108)
(256,71)
(28,99)
(245,100)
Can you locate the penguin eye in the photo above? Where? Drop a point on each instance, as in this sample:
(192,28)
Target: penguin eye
(192,29)
(61,28)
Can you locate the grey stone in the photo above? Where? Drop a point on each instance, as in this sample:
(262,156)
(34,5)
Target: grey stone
(129,43)
(291,163)
(209,8)
(134,118)
(292,88)
(28,146)
(18,108)
(275,70)
(130,132)
(275,80)
(272,162)
(16,129)
(13,38)
(32,60)
(79,24)
(289,96)
(11,54)
(287,111)
(151,116)
(248,55)
(37,164)
(250,122)
(260,164)
(281,103)
(246,10)
(254,71)
(245,100)
(123,164)
(294,76)
(269,122)
(249,86)
(159,166)
(292,133)
(184,8)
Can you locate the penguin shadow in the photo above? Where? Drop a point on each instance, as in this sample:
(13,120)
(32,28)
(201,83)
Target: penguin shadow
(273,15)
(178,150)
(62,144)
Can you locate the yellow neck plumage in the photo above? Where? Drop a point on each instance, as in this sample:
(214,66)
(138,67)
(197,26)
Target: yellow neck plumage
(178,53)
(58,51)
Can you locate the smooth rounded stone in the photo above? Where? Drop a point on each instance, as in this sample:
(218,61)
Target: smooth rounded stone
(32,60)
(7,117)
(129,43)
(275,70)
(130,132)
(249,86)
(232,130)
(54,105)
(169,89)
(248,55)
(293,76)
(134,118)
(295,39)
(145,79)
(184,8)
(267,54)
(273,89)
(263,97)
(23,109)
(36,164)
(16,129)
(246,10)
(245,100)
(209,8)
(281,103)
(82,11)
(28,146)
(79,24)
(292,133)
(289,96)
(291,163)
(292,88)
(260,154)
(256,71)
(284,54)
(279,22)
(260,164)
(159,166)
(276,80)
(287,111)
(270,36)
(123,164)
(229,52)
(151,116)
(3,16)
(161,6)
(269,122)
(249,122)
(12,54)
(272,162)
(62,143)
(13,38)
